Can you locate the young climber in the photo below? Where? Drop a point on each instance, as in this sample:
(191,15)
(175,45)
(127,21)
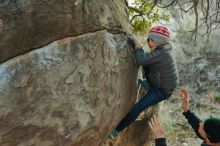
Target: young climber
(160,70)
(208,131)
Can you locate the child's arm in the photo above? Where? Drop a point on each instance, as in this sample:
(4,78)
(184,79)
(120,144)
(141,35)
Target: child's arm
(145,59)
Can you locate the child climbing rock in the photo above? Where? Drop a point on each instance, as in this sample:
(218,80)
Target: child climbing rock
(161,73)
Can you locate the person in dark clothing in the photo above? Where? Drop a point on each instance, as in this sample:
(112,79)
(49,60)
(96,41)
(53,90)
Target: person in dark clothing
(208,131)
(160,70)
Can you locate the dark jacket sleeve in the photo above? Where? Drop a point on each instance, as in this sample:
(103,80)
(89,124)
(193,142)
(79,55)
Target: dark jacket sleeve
(203,144)
(160,142)
(145,59)
(194,121)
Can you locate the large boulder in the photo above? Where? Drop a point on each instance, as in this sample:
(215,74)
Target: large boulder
(70,92)
(67,76)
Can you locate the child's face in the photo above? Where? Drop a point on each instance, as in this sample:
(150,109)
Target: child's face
(151,44)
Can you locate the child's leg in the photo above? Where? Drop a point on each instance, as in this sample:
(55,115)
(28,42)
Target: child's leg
(153,96)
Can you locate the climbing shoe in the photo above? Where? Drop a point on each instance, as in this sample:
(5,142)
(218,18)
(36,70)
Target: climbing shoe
(113,134)
(144,83)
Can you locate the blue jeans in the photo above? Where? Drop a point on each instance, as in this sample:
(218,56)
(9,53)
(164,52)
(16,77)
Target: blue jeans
(153,96)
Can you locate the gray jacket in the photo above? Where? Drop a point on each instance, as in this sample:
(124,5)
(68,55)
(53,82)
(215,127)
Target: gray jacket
(159,66)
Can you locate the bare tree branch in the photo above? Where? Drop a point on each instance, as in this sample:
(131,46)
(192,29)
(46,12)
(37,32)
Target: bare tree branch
(194,33)
(206,14)
(166,6)
(140,13)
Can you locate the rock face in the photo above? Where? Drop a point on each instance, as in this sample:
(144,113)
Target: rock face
(67,76)
(26,25)
(70,92)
